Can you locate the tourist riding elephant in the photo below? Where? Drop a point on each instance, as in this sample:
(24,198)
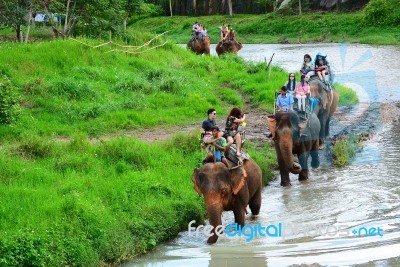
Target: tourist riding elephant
(293,136)
(200,46)
(327,103)
(229,189)
(228,46)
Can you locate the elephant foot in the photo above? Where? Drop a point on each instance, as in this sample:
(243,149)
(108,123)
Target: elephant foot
(303,176)
(296,168)
(212,239)
(315,163)
(285,183)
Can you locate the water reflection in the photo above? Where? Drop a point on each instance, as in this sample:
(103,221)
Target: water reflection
(238,257)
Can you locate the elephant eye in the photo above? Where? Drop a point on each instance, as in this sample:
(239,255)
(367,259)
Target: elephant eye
(224,191)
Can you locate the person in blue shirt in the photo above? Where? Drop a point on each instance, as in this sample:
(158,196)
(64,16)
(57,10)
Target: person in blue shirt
(218,146)
(285,101)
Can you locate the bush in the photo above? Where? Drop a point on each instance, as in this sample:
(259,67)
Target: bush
(33,147)
(9,101)
(73,90)
(382,13)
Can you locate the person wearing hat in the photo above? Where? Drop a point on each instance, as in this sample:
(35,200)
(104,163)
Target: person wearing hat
(321,66)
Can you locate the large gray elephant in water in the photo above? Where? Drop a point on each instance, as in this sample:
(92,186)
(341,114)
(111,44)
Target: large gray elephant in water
(229,189)
(200,46)
(327,104)
(293,136)
(228,46)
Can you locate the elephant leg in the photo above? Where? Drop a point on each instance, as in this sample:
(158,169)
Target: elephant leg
(322,119)
(303,175)
(328,120)
(239,213)
(303,158)
(284,172)
(314,159)
(255,203)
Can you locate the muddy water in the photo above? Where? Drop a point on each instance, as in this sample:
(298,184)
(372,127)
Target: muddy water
(341,216)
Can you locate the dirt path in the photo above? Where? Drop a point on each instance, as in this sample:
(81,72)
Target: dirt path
(361,118)
(364,118)
(256,128)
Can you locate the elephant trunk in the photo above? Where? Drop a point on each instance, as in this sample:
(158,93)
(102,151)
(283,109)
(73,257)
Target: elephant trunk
(214,210)
(286,149)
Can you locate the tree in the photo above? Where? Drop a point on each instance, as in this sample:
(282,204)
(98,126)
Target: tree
(268,3)
(71,11)
(15,14)
(299,7)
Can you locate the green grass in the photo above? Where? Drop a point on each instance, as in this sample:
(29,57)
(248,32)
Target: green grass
(67,198)
(347,96)
(273,28)
(345,149)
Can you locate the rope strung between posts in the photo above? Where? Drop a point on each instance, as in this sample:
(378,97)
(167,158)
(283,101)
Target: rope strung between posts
(126,48)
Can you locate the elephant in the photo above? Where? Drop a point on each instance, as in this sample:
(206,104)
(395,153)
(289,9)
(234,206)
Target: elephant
(200,46)
(226,189)
(327,105)
(228,46)
(292,136)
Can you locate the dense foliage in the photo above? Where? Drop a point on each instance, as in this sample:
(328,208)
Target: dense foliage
(274,28)
(229,7)
(101,18)
(382,13)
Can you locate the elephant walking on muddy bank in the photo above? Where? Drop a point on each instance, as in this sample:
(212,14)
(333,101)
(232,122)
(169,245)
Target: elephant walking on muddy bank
(292,136)
(200,46)
(227,189)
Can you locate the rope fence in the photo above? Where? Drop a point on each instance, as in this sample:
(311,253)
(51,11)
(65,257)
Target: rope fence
(129,49)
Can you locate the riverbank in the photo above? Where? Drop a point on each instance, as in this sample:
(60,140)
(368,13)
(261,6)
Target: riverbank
(76,188)
(272,28)
(360,127)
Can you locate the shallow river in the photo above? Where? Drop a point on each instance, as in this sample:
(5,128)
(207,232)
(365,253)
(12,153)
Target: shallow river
(341,216)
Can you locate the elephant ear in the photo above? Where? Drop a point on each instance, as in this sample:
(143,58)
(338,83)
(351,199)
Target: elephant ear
(196,181)
(271,125)
(238,177)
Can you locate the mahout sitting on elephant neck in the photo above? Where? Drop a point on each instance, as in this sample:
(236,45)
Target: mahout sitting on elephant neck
(226,189)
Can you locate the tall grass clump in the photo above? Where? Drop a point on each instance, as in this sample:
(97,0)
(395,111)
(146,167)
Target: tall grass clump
(347,97)
(9,101)
(345,149)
